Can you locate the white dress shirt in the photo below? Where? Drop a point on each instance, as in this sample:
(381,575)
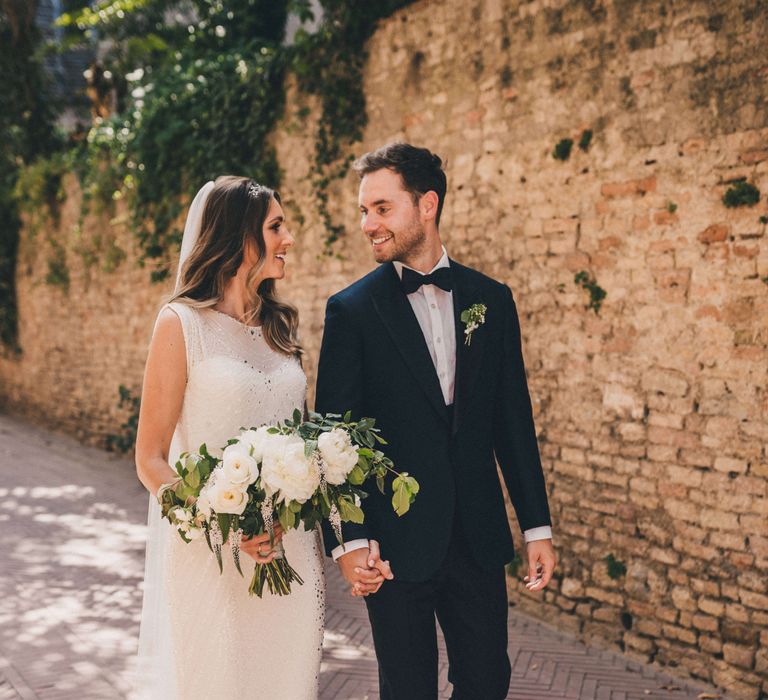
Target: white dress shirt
(433,308)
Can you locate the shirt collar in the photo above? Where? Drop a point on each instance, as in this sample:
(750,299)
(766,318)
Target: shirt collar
(443,262)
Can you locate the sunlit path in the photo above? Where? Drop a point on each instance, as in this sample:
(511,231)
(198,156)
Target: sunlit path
(71,562)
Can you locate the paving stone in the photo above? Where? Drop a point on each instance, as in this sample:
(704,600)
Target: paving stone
(72,528)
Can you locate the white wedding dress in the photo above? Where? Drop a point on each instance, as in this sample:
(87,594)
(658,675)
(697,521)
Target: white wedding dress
(202,636)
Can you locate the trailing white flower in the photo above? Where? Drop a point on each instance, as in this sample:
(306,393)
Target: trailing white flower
(339,455)
(203,504)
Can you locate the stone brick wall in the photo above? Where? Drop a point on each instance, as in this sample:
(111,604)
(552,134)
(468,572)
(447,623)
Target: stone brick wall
(652,413)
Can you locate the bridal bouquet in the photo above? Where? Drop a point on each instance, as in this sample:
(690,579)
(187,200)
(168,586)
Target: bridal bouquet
(297,472)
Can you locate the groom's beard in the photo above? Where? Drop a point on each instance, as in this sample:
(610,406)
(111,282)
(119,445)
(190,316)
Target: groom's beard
(405,244)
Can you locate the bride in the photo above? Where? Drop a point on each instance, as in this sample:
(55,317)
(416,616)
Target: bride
(224,355)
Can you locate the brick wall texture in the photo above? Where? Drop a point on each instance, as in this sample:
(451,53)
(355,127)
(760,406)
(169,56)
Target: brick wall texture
(652,413)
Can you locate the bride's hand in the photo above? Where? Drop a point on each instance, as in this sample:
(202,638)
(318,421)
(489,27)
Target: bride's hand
(258,547)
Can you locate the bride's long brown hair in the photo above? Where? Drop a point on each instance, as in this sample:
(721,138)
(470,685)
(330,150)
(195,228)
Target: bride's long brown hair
(234,213)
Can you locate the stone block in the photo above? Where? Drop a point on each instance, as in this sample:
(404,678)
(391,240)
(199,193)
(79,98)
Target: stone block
(741,656)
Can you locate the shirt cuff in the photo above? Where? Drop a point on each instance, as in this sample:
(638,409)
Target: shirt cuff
(538,533)
(348,547)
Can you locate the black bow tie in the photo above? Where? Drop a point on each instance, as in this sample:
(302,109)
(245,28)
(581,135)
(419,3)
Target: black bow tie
(441,277)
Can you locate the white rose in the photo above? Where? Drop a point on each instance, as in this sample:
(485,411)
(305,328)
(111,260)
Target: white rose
(286,469)
(339,455)
(238,467)
(228,498)
(256,440)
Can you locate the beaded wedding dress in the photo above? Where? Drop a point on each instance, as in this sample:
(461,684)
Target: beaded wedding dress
(202,636)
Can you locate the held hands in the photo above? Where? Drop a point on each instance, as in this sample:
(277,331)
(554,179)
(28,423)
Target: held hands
(364,569)
(259,548)
(541,564)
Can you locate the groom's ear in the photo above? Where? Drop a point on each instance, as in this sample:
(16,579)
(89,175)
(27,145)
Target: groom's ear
(428,205)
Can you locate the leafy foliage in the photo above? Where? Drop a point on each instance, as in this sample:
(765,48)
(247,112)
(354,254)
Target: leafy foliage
(26,122)
(199,88)
(563,149)
(126,441)
(329,64)
(596,292)
(741,194)
(616,568)
(514,566)
(585,140)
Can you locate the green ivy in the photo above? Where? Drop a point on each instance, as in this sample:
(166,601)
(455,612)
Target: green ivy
(585,140)
(616,569)
(563,149)
(514,566)
(741,194)
(58,272)
(596,293)
(330,64)
(194,101)
(126,440)
(26,123)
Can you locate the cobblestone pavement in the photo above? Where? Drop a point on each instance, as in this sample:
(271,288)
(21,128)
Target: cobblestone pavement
(71,565)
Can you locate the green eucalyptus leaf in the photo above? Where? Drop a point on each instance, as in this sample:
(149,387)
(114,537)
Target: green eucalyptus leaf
(225,522)
(401,500)
(349,511)
(285,517)
(356,476)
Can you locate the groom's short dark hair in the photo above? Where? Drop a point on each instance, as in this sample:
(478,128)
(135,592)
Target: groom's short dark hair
(420,169)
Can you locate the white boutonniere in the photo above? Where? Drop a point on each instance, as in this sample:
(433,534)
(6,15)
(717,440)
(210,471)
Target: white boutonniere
(473,318)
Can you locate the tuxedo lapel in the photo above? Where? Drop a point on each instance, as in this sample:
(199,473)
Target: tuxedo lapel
(468,357)
(396,313)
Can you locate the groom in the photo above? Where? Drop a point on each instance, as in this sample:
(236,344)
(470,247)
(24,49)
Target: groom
(451,400)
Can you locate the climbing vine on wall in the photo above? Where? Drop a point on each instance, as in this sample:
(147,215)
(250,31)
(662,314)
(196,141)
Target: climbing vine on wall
(197,98)
(329,63)
(26,118)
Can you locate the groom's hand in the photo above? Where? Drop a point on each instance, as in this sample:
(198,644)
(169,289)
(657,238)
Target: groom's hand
(364,569)
(541,564)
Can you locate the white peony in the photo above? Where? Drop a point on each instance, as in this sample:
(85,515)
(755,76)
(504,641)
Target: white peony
(238,467)
(286,469)
(228,498)
(339,455)
(256,440)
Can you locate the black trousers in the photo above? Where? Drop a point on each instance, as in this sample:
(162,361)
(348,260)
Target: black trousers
(471,606)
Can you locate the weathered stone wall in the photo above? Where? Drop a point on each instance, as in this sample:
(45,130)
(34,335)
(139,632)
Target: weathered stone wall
(652,414)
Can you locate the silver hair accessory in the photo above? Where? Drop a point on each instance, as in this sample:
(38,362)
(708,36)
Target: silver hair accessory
(254,189)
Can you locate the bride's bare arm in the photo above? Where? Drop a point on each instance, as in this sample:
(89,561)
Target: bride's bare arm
(165,378)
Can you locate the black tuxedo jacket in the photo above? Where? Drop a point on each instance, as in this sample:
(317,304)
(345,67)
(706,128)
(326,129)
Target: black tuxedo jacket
(374,362)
